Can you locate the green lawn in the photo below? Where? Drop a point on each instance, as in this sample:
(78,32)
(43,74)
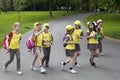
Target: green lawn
(111,24)
(27,19)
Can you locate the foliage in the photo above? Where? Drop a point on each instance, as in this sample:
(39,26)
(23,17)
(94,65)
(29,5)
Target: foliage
(37,5)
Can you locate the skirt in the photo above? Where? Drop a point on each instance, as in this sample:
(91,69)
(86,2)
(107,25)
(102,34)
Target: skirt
(93,46)
(77,47)
(70,53)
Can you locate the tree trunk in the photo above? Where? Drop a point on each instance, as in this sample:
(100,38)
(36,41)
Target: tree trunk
(78,7)
(95,7)
(50,8)
(67,7)
(57,5)
(34,6)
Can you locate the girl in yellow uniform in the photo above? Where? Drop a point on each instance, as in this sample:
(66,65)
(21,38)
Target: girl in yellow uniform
(47,40)
(100,32)
(14,46)
(92,43)
(38,44)
(70,49)
(77,35)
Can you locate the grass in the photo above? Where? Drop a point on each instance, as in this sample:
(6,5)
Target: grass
(111,24)
(27,19)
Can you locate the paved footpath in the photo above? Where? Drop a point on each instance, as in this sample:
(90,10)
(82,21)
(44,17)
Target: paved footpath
(108,65)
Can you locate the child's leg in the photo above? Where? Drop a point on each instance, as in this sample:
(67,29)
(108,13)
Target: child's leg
(18,59)
(72,61)
(100,45)
(34,59)
(48,56)
(38,52)
(97,52)
(11,58)
(92,55)
(77,48)
(76,55)
(42,70)
(45,55)
(66,62)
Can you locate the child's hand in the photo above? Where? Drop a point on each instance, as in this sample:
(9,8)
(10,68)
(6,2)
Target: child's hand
(77,35)
(7,50)
(92,36)
(71,42)
(81,37)
(51,43)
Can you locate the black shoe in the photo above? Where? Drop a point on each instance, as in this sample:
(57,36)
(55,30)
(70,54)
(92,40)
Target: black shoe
(94,64)
(90,61)
(47,66)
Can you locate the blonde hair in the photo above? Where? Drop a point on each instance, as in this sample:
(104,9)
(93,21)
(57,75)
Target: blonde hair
(37,23)
(15,24)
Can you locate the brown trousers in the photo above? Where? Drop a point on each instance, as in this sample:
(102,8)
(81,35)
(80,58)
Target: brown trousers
(46,56)
(13,52)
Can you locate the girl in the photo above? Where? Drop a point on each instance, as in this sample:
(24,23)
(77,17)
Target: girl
(38,43)
(47,41)
(76,37)
(13,47)
(70,49)
(92,43)
(99,29)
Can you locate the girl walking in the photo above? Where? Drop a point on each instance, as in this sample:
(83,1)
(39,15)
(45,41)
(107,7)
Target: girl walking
(70,49)
(92,43)
(77,35)
(13,47)
(38,43)
(99,29)
(47,40)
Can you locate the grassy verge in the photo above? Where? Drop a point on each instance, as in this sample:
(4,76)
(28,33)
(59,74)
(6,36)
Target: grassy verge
(27,19)
(111,24)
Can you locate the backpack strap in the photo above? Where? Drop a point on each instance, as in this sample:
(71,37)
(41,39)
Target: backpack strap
(10,35)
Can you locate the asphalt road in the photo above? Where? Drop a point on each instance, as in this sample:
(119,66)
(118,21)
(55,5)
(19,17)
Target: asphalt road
(108,65)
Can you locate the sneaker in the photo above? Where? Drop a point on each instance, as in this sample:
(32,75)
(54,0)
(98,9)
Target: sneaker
(4,67)
(62,66)
(72,71)
(101,54)
(42,70)
(19,72)
(33,68)
(78,66)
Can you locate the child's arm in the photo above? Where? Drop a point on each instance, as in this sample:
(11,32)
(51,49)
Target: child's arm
(66,41)
(39,32)
(90,36)
(102,35)
(7,42)
(8,39)
(80,35)
(51,39)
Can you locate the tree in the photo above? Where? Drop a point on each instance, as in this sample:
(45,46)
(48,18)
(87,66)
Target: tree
(95,7)
(50,8)
(5,5)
